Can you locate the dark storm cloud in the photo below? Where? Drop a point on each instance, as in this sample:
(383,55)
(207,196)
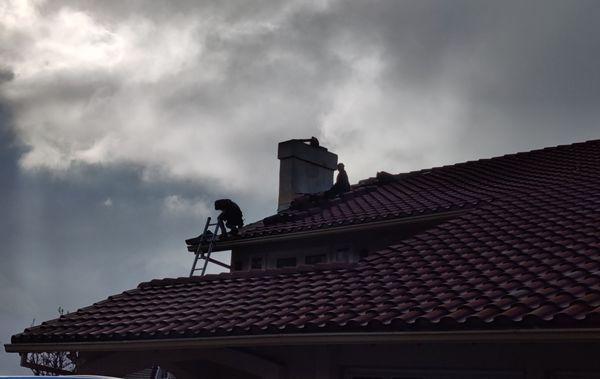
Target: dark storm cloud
(121,121)
(10,320)
(524,72)
(6,75)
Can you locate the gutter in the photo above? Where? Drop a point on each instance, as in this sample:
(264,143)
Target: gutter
(228,245)
(504,336)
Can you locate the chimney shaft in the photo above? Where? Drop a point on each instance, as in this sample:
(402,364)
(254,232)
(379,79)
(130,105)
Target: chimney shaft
(304,168)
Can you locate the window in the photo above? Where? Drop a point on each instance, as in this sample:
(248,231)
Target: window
(314,259)
(342,254)
(256,263)
(286,262)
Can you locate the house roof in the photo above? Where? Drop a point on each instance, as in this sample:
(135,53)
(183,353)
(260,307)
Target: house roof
(429,191)
(526,256)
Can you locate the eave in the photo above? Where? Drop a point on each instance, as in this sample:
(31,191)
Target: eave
(367,226)
(473,336)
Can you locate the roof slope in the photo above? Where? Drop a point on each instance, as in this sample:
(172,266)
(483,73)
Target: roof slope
(528,258)
(430,191)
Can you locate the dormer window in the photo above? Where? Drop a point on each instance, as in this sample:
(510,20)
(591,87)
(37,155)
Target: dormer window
(286,262)
(314,259)
(342,254)
(256,263)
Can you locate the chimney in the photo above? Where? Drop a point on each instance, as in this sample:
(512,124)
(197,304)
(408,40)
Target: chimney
(305,167)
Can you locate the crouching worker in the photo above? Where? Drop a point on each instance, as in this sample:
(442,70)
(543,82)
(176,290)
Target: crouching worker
(231,216)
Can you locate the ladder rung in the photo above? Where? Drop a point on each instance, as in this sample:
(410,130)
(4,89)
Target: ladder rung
(208,243)
(219,263)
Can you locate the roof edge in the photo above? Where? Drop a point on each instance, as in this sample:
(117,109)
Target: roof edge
(506,336)
(371,180)
(228,245)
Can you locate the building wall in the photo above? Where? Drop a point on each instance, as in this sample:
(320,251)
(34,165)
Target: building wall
(372,361)
(443,360)
(342,247)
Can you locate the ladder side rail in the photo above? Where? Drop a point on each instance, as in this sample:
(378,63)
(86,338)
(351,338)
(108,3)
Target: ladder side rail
(210,241)
(199,248)
(206,259)
(210,247)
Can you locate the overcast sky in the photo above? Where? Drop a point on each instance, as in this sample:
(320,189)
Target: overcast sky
(122,121)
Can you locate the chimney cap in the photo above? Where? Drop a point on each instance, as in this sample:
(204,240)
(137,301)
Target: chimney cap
(310,152)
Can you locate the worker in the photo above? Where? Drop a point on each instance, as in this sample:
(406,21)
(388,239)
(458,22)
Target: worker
(231,216)
(341,184)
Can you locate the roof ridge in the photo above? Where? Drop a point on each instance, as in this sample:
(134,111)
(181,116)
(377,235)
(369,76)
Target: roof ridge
(384,177)
(376,179)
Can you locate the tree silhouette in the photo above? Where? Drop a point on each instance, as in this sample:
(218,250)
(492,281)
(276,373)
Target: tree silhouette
(51,363)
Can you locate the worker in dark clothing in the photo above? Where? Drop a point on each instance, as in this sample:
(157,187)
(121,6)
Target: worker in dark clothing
(231,215)
(342,179)
(341,183)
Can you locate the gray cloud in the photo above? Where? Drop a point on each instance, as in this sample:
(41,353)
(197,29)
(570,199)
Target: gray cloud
(6,75)
(121,122)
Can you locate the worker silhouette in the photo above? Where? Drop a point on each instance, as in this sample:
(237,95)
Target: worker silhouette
(231,216)
(341,184)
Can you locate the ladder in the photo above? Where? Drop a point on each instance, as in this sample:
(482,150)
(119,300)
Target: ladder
(205,255)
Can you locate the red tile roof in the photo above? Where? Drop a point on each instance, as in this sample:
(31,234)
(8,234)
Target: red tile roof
(430,191)
(528,256)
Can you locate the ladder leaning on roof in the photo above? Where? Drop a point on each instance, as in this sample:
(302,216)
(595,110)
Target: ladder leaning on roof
(208,242)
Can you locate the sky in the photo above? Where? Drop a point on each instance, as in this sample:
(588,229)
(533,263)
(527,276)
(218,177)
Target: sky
(122,121)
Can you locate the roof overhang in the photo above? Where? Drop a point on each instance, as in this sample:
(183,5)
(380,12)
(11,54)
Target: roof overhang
(480,336)
(365,226)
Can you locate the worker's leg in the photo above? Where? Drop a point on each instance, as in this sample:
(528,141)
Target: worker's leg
(222,227)
(233,227)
